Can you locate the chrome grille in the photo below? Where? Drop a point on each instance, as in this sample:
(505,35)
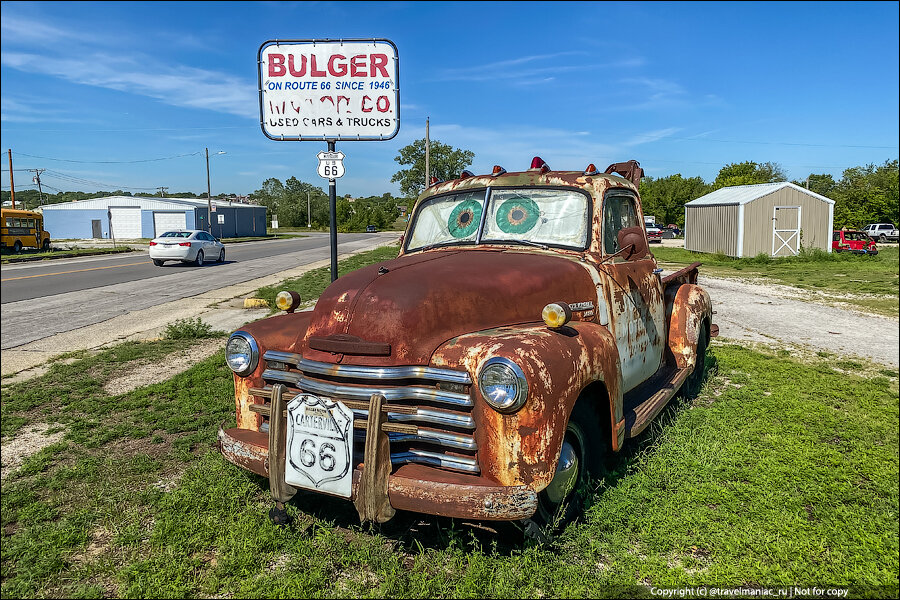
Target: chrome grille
(444,427)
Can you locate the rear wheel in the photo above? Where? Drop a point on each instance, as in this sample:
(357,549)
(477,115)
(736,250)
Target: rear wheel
(882,238)
(199,261)
(694,382)
(17,247)
(158,263)
(581,459)
(222,255)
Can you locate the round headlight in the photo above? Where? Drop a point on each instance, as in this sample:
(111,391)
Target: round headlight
(503,385)
(242,353)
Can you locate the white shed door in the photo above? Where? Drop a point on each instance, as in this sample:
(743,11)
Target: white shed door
(126,222)
(168,221)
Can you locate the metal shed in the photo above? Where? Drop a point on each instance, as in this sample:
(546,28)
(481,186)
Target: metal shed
(129,217)
(769,218)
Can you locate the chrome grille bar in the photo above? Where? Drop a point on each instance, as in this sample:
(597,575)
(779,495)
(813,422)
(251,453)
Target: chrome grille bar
(457,463)
(364,372)
(364,393)
(450,440)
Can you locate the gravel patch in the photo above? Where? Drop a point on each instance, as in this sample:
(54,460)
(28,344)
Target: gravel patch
(30,440)
(141,373)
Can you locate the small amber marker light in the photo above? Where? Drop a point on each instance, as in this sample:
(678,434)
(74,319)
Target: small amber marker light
(556,314)
(287,301)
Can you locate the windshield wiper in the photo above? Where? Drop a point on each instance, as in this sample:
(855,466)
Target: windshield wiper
(529,243)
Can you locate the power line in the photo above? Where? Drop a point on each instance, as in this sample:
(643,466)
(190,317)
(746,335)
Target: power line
(110,162)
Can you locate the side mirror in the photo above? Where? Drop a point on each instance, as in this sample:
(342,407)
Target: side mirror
(633,237)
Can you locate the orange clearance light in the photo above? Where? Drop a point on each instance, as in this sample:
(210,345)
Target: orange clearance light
(591,170)
(538,163)
(287,301)
(498,170)
(556,314)
(465,174)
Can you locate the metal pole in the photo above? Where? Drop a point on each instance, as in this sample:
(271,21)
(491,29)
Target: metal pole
(208,197)
(332,201)
(427,155)
(12,183)
(308,213)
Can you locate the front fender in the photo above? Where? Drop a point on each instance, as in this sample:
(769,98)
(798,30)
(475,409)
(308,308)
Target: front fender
(688,308)
(523,448)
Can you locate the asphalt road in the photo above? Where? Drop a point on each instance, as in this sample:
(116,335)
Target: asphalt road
(42,299)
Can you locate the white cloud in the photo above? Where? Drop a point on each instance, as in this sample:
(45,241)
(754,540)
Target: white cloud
(178,86)
(513,69)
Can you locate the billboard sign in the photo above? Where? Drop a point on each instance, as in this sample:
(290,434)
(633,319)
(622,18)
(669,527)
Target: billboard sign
(329,89)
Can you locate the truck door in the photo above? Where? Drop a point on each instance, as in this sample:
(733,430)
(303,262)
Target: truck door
(633,294)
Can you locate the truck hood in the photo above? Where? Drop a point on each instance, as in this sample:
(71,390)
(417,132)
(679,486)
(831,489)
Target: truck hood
(417,302)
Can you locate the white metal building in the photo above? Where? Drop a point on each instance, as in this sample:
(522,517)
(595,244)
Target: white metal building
(130,217)
(770,218)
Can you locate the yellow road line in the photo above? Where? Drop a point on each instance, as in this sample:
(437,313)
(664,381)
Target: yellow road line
(75,271)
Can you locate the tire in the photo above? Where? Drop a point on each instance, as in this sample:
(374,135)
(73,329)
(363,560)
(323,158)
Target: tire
(17,247)
(562,501)
(221,256)
(694,382)
(46,246)
(199,259)
(882,238)
(158,263)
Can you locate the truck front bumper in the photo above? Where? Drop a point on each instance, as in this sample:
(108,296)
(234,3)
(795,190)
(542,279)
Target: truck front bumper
(415,488)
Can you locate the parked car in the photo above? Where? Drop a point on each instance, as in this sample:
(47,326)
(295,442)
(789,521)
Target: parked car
(522,335)
(882,232)
(188,246)
(371,229)
(856,242)
(654,233)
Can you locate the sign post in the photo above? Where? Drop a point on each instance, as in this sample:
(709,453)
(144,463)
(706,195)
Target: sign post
(329,90)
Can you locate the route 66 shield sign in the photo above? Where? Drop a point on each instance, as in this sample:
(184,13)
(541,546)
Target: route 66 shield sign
(319,445)
(331,165)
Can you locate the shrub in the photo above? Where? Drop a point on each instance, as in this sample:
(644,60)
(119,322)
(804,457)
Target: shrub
(189,329)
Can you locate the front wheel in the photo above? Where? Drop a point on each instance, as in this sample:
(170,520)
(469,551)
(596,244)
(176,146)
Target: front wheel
(222,255)
(46,246)
(17,247)
(199,261)
(694,382)
(580,460)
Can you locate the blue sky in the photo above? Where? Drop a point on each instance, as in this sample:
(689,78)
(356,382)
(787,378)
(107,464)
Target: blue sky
(681,87)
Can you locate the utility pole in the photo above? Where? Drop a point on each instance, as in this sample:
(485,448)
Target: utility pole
(162,191)
(427,154)
(37,179)
(208,195)
(308,214)
(807,181)
(12,183)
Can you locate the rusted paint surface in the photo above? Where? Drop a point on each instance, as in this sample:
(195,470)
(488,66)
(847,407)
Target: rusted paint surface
(522,448)
(245,448)
(689,310)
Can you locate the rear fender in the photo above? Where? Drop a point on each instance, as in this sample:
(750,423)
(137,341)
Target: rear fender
(688,309)
(523,448)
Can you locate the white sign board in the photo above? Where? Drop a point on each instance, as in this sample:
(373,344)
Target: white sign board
(331,164)
(274,223)
(221,219)
(319,445)
(329,89)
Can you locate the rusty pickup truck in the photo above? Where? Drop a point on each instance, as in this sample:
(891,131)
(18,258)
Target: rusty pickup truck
(522,335)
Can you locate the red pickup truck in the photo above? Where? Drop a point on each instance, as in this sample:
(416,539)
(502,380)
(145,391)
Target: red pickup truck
(856,242)
(524,332)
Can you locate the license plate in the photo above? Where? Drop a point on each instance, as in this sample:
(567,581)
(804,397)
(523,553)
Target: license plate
(319,445)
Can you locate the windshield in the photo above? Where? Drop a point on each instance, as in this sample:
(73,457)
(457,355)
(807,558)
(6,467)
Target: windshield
(542,216)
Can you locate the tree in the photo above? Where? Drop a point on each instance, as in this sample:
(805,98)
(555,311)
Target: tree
(665,197)
(446,163)
(867,194)
(823,184)
(747,173)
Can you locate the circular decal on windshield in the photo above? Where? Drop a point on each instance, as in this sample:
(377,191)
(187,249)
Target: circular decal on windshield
(517,215)
(464,219)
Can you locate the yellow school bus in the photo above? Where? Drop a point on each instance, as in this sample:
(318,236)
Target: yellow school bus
(22,229)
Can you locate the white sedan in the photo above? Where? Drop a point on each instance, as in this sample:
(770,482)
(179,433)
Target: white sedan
(190,246)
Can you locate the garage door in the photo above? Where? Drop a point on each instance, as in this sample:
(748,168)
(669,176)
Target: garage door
(168,221)
(126,222)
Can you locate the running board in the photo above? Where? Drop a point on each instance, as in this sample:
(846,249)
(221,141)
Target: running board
(638,418)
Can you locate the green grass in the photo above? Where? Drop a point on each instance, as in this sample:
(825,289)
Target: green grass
(780,473)
(868,283)
(39,255)
(311,284)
